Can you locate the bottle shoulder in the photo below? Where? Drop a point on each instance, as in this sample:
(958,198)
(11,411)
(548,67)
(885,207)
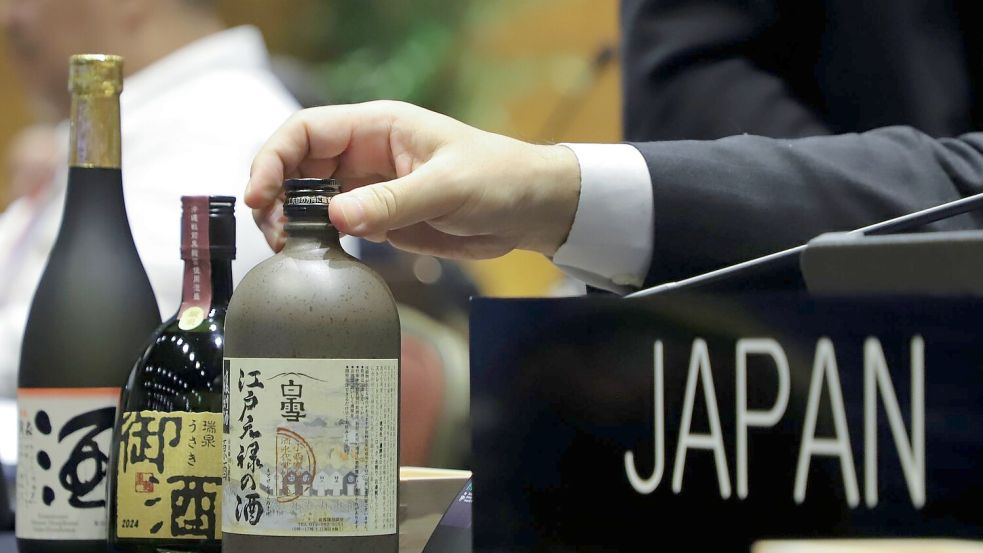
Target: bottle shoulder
(312,277)
(180,370)
(170,337)
(318,308)
(85,314)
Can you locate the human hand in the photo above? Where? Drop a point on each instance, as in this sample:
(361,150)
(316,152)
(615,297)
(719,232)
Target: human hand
(426,182)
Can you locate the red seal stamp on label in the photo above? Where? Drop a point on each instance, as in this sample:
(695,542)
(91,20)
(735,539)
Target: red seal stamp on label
(144,482)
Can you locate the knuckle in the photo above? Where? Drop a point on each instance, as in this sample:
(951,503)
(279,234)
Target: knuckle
(296,118)
(395,107)
(302,116)
(386,198)
(394,104)
(383,105)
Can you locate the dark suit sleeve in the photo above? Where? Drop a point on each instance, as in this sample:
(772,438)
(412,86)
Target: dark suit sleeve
(724,201)
(691,70)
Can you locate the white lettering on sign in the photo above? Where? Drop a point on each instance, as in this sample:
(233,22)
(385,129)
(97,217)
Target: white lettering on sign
(761,419)
(909,444)
(699,367)
(648,485)
(824,370)
(911,452)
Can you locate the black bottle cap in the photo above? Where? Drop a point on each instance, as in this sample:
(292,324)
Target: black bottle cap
(308,199)
(222,226)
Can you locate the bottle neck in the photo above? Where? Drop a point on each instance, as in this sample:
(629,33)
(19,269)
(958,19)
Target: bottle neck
(95,186)
(94,202)
(221,281)
(309,236)
(207,286)
(95,131)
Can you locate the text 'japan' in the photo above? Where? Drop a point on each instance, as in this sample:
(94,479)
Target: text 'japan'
(878,390)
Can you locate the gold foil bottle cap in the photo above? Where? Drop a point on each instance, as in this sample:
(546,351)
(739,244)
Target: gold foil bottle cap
(95,74)
(95,81)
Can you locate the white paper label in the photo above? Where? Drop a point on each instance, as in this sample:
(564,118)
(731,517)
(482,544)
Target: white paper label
(64,439)
(311,447)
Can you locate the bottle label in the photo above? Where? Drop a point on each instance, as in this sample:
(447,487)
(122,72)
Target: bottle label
(311,446)
(196,297)
(169,476)
(64,440)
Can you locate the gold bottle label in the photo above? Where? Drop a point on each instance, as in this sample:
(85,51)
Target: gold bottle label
(169,476)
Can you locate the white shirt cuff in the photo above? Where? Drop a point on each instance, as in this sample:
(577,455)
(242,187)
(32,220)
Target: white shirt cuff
(611,240)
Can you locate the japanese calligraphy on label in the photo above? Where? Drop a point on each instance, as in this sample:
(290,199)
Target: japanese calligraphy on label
(64,437)
(169,475)
(310,446)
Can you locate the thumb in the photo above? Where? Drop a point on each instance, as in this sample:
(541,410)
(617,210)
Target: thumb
(375,209)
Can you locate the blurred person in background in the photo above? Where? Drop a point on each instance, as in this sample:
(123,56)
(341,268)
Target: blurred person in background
(32,160)
(198,101)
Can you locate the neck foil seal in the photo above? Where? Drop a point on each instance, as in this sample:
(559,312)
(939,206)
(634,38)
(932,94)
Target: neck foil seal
(207,232)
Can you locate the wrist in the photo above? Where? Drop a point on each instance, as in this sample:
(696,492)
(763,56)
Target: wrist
(555,191)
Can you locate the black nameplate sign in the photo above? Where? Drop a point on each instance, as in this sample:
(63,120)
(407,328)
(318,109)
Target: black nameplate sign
(601,424)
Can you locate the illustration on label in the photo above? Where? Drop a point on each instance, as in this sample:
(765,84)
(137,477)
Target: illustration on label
(169,476)
(64,438)
(311,446)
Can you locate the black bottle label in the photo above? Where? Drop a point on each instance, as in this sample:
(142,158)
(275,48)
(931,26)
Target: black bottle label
(64,439)
(312,447)
(169,476)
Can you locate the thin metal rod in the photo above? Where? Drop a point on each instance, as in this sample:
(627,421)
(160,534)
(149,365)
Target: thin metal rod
(925,216)
(902,223)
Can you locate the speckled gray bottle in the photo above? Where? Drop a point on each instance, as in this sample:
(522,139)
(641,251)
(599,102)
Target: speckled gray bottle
(312,301)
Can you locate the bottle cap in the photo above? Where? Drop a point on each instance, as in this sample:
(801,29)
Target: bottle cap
(309,198)
(222,225)
(95,74)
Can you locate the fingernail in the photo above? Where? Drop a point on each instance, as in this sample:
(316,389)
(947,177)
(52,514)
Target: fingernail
(352,211)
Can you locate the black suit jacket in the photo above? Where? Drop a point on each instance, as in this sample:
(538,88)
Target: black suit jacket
(898,82)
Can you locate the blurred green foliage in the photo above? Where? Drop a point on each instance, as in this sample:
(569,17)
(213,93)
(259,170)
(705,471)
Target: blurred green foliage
(420,51)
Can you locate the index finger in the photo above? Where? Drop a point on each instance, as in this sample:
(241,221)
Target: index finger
(315,136)
(281,155)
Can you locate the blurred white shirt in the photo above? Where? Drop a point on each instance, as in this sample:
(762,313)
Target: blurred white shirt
(191,124)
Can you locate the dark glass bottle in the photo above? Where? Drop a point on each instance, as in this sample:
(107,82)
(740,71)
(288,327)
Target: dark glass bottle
(312,396)
(90,316)
(166,472)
